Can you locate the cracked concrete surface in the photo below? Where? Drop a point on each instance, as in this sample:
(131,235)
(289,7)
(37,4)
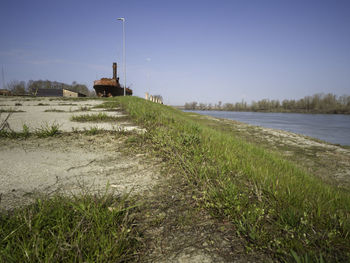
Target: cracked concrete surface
(37,113)
(70,163)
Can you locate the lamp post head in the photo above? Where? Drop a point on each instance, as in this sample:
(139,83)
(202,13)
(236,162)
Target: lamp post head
(121,19)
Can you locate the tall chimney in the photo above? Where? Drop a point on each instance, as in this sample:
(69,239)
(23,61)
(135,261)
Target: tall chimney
(114,70)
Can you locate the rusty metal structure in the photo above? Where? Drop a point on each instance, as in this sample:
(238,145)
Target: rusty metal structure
(107,87)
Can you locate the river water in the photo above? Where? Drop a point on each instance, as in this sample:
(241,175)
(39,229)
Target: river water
(333,128)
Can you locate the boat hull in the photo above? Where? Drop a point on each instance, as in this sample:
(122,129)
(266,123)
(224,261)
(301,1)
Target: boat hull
(111,91)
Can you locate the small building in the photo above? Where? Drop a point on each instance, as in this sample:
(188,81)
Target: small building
(47,92)
(5,92)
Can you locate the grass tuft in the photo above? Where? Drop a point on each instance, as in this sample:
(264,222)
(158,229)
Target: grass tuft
(25,133)
(84,108)
(99,117)
(9,110)
(53,110)
(47,130)
(93,130)
(62,229)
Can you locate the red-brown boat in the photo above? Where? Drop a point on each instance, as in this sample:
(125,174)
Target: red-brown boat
(107,87)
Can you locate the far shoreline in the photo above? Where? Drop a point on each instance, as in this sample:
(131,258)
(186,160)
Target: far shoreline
(321,132)
(265,111)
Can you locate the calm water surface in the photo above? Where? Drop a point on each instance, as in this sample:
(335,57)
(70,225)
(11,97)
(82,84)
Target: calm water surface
(333,128)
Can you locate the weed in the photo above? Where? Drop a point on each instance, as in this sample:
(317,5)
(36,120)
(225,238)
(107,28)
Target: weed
(100,117)
(76,98)
(75,130)
(122,131)
(10,110)
(110,104)
(47,130)
(7,132)
(84,108)
(42,104)
(116,130)
(305,258)
(67,104)
(93,130)
(25,131)
(132,139)
(54,110)
(61,229)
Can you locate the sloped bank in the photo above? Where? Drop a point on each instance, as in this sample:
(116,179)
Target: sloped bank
(276,205)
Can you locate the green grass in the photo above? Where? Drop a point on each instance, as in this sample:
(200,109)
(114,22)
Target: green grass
(9,110)
(62,229)
(75,98)
(54,110)
(99,117)
(109,103)
(84,108)
(93,131)
(46,130)
(67,104)
(271,202)
(15,135)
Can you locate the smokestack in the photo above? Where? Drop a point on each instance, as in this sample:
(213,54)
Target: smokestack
(114,70)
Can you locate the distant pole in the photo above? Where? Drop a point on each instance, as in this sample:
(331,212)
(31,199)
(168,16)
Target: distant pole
(124,64)
(3,78)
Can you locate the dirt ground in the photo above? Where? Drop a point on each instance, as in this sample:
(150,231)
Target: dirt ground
(71,162)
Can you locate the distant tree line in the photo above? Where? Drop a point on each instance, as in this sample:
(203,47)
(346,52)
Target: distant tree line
(318,103)
(32,86)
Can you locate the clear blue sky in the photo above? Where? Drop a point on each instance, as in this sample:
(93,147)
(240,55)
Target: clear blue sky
(205,51)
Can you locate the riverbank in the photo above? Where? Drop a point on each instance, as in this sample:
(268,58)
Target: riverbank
(327,161)
(330,128)
(345,112)
(273,200)
(317,103)
(237,192)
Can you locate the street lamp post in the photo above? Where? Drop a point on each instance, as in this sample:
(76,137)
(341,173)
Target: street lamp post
(123,20)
